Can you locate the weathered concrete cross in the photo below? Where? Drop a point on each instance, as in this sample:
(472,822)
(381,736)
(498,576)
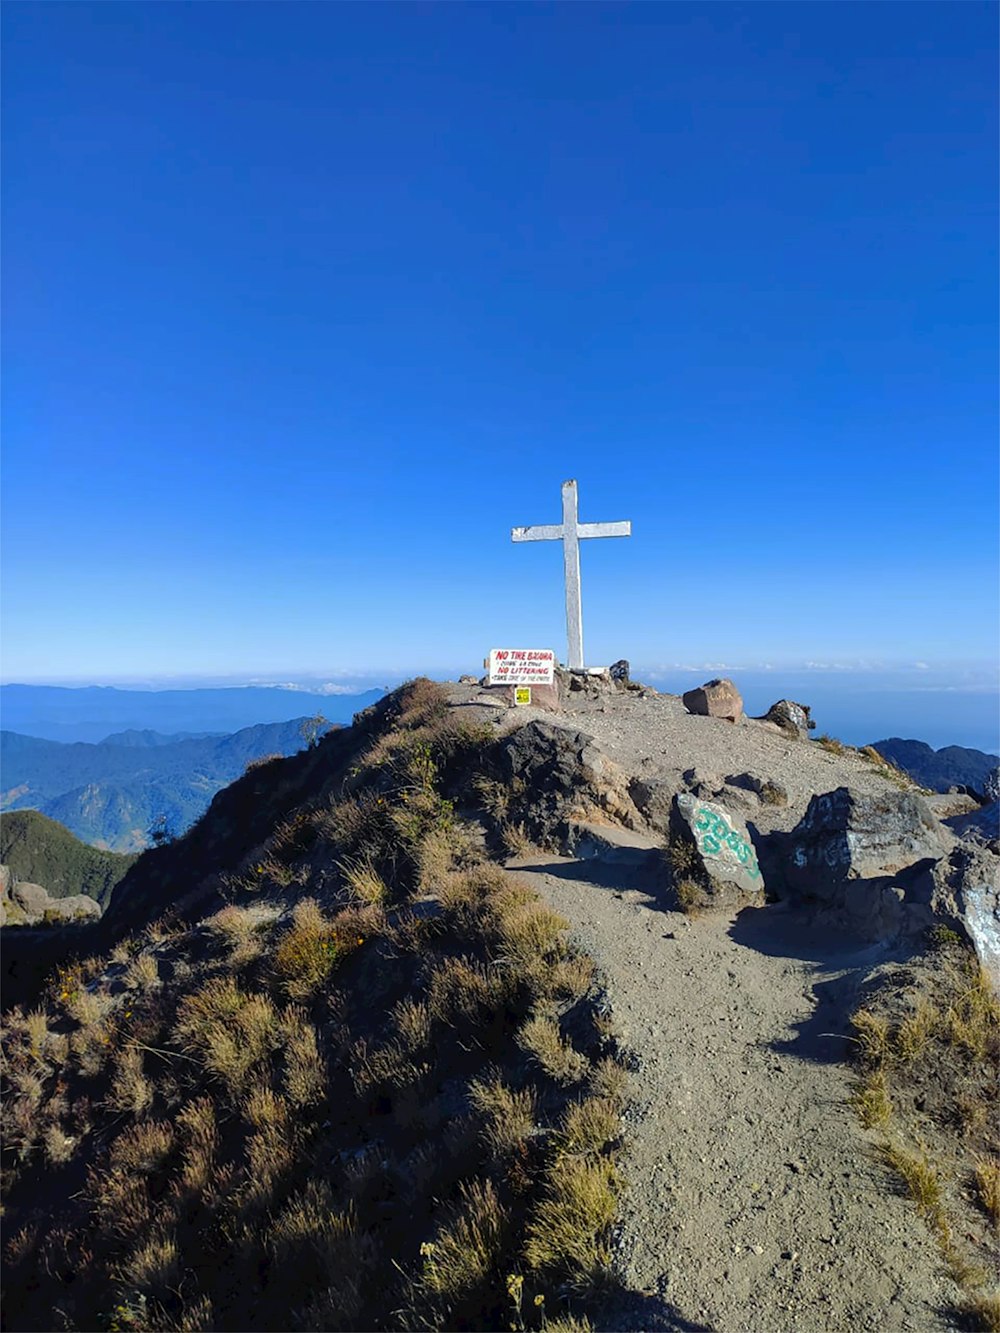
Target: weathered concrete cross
(569,533)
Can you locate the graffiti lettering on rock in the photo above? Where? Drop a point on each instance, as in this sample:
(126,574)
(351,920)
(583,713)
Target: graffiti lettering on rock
(716,837)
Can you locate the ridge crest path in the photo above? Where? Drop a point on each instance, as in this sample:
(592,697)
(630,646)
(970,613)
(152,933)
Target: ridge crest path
(755,1203)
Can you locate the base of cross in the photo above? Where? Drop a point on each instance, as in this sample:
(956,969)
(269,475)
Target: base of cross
(568,680)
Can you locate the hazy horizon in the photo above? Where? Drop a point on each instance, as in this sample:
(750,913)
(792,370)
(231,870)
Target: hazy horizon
(944,705)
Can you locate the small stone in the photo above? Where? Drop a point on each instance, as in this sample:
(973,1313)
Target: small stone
(758,1249)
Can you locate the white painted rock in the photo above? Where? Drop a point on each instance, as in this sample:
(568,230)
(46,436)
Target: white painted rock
(725,858)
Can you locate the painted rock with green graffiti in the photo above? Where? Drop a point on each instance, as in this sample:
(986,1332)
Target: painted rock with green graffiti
(713,858)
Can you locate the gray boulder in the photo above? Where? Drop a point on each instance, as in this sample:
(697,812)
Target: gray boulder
(980,825)
(712,855)
(32,899)
(962,890)
(24,904)
(716,698)
(886,868)
(77,907)
(791,717)
(846,834)
(769,791)
(653,798)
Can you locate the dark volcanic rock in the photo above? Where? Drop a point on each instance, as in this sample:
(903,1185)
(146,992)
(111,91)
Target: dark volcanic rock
(559,777)
(885,867)
(653,797)
(846,834)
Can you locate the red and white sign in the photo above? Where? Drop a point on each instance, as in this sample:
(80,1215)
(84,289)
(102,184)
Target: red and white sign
(522,666)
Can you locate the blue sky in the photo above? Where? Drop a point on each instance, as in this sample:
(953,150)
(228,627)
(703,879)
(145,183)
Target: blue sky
(307,304)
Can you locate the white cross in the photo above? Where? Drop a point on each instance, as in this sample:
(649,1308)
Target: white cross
(569,532)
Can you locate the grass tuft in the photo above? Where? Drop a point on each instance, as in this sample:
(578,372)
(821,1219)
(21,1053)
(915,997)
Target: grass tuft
(872,1037)
(988,1185)
(460,1257)
(541,1039)
(921,1177)
(871,1100)
(508,1114)
(569,1230)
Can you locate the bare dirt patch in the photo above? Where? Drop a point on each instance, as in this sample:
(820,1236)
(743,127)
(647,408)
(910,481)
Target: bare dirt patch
(756,1201)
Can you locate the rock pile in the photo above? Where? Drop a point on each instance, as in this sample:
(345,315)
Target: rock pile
(24,904)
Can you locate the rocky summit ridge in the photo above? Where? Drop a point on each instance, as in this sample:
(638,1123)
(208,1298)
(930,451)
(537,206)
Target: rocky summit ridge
(604,1013)
(837,828)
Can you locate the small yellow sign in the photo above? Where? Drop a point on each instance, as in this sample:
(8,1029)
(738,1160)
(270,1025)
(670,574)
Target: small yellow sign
(522,694)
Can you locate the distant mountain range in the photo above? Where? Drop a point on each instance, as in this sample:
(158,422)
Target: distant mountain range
(952,766)
(40,851)
(113,795)
(96,713)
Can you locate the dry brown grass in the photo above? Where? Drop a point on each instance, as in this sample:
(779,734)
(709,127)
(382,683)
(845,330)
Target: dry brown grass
(831,744)
(364,882)
(59,1146)
(984,1308)
(324,1247)
(305,1072)
(460,990)
(542,1041)
(508,1114)
(987,1171)
(263,1106)
(232,1118)
(307,952)
(973,1018)
(411,1021)
(130,1090)
(871,1100)
(569,1230)
(772,794)
(934,1042)
(463,1253)
(591,1126)
(920,1175)
(607,1079)
(872,1036)
(230,1031)
(154,1267)
(143,973)
(515,839)
(570,978)
(530,932)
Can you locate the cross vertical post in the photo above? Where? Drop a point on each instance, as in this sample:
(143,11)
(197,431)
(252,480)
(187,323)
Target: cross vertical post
(571,565)
(570,532)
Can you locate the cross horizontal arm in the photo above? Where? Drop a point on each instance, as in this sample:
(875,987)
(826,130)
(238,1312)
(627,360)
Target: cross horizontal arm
(605,529)
(541,532)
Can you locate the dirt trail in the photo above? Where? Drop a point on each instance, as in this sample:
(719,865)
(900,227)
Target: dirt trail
(755,1203)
